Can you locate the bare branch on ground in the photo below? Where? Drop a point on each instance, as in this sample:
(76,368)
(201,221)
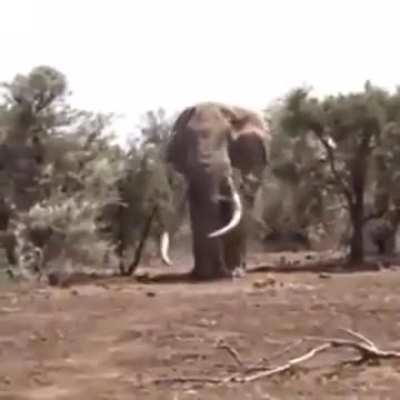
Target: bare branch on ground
(367,349)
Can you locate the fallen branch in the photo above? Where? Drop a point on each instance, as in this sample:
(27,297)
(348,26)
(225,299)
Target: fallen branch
(264,363)
(367,349)
(359,336)
(285,367)
(337,265)
(285,350)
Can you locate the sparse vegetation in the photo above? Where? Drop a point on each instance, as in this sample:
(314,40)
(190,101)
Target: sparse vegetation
(350,166)
(71,197)
(74,204)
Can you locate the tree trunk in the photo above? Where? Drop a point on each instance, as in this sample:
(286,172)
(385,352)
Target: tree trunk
(358,183)
(357,242)
(142,242)
(357,212)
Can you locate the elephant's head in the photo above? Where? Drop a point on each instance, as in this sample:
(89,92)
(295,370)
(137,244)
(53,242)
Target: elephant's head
(209,141)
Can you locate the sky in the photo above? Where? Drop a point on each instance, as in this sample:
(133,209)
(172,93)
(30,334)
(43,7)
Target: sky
(130,56)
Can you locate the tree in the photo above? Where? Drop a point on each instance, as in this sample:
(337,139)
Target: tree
(59,169)
(292,197)
(351,129)
(150,192)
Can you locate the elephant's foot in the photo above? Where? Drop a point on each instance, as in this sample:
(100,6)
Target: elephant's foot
(238,269)
(239,272)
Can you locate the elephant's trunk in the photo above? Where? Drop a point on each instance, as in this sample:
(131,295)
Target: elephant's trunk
(164,248)
(236,215)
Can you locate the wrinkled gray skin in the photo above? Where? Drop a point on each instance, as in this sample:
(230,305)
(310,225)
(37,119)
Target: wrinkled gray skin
(209,142)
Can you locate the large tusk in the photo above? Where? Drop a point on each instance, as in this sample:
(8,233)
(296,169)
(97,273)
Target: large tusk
(237,213)
(164,248)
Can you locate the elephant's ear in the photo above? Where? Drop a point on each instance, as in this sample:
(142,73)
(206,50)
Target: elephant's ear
(183,119)
(247,147)
(237,118)
(176,150)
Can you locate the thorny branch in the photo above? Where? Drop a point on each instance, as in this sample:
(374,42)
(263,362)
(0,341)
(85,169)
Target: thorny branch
(368,351)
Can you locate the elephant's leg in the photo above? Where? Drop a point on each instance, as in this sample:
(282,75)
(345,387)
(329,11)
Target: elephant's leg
(234,242)
(208,254)
(235,251)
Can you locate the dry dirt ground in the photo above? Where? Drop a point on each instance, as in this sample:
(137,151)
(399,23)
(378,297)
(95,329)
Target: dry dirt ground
(123,339)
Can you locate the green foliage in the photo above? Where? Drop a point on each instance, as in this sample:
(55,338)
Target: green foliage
(357,133)
(36,91)
(296,191)
(68,196)
(156,127)
(60,171)
(148,184)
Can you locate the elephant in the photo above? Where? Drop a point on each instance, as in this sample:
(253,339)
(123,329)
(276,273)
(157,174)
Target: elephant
(220,151)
